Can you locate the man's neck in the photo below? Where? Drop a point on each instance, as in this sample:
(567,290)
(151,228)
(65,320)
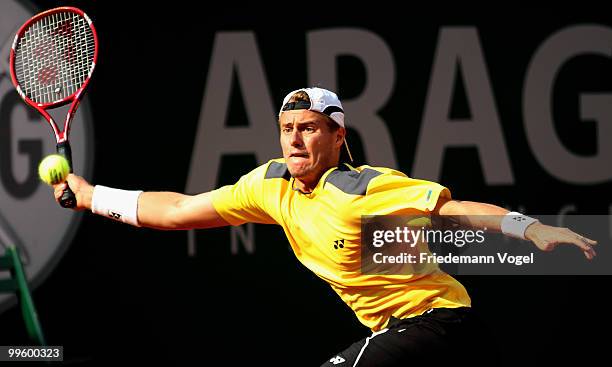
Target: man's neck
(307,185)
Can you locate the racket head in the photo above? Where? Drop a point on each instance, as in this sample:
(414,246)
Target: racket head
(53,57)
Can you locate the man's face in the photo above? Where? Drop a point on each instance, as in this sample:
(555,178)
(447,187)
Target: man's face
(310,147)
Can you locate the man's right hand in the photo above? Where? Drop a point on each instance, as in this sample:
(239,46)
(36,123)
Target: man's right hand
(83,191)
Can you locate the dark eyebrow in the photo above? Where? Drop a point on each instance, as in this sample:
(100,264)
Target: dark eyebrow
(309,122)
(301,123)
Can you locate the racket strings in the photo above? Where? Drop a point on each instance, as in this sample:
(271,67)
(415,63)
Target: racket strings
(54,57)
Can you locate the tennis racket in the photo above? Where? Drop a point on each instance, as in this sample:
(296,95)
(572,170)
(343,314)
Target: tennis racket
(51,62)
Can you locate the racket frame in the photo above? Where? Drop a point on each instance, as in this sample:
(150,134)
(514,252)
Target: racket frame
(60,135)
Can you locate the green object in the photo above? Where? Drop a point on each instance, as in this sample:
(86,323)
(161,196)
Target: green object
(18,284)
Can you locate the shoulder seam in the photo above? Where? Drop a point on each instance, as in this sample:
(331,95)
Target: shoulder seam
(352,182)
(277,170)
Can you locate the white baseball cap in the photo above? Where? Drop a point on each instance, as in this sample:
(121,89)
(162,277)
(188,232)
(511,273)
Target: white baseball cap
(322,101)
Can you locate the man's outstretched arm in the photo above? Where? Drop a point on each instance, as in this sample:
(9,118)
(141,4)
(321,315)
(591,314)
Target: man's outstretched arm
(481,215)
(159,210)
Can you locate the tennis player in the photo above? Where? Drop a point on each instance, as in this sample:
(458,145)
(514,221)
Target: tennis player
(319,203)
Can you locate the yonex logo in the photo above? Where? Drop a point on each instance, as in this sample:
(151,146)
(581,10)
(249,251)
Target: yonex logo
(114,215)
(338,244)
(337,360)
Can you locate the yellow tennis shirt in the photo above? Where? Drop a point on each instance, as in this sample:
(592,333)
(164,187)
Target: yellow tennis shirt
(316,224)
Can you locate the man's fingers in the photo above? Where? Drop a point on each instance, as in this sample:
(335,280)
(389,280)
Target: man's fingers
(580,243)
(590,254)
(588,241)
(585,245)
(59,189)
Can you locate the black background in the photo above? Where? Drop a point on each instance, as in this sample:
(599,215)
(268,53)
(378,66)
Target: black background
(121,293)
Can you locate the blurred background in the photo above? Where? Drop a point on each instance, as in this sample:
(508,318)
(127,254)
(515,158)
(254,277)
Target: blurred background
(511,106)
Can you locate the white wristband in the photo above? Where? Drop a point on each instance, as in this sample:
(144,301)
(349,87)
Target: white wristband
(515,224)
(120,205)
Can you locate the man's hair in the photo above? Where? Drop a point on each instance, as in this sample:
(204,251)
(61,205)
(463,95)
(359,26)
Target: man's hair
(301,96)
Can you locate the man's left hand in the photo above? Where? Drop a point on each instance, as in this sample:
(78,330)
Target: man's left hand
(546,238)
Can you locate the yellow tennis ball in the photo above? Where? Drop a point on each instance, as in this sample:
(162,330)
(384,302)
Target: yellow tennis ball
(53,169)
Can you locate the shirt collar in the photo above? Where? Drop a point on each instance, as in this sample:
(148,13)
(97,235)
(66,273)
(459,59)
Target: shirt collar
(321,183)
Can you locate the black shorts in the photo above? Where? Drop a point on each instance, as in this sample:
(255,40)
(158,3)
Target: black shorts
(439,337)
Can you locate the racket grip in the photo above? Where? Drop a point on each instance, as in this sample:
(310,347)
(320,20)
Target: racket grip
(68,199)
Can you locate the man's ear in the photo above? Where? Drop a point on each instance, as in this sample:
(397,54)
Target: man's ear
(341,133)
